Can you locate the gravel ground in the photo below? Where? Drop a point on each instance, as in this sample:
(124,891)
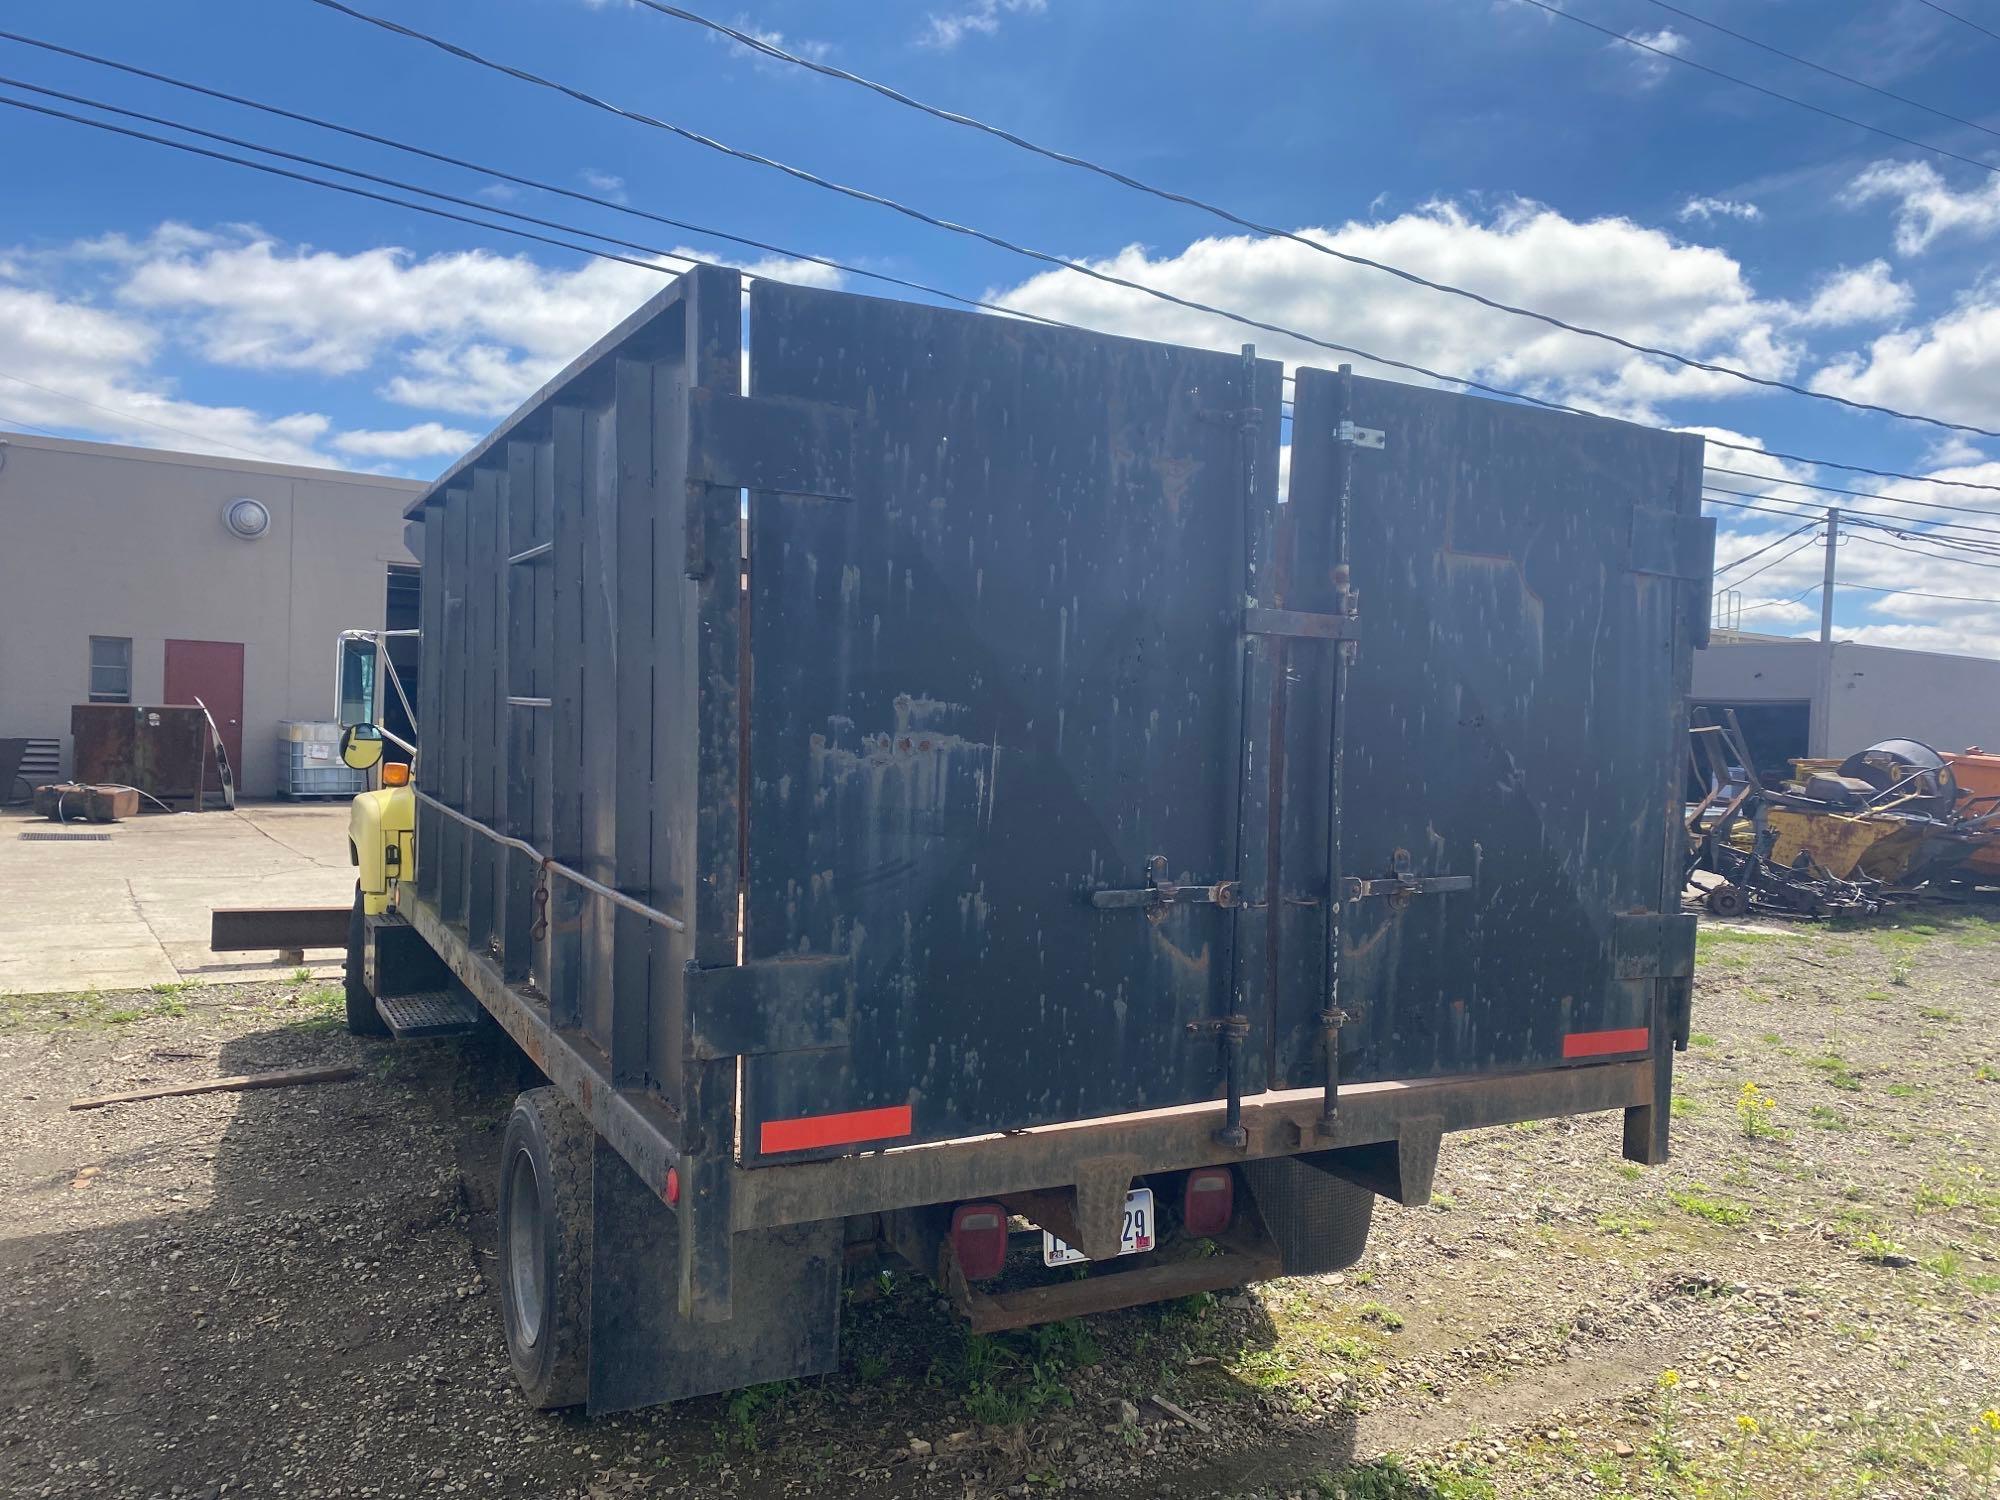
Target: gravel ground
(288,1293)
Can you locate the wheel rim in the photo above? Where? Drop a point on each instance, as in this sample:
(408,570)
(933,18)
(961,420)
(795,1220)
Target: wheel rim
(524,1247)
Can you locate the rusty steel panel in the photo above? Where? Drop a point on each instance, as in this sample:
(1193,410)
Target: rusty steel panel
(249,929)
(1511,730)
(1005,671)
(162,750)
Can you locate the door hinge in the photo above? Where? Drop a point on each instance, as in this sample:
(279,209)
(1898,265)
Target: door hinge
(1244,417)
(1161,893)
(1258,620)
(1360,437)
(1402,886)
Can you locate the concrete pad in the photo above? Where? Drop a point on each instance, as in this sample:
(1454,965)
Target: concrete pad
(132,909)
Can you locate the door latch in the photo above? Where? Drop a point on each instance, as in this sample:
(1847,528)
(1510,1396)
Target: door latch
(1401,886)
(1161,893)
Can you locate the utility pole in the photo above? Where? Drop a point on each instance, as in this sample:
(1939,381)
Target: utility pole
(1826,580)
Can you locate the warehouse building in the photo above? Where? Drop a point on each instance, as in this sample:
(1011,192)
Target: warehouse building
(1798,697)
(129,575)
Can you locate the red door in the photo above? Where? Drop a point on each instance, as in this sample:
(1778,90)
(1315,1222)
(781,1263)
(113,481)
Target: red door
(211,671)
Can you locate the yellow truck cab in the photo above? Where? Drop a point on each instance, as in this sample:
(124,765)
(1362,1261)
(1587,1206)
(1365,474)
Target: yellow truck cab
(382,822)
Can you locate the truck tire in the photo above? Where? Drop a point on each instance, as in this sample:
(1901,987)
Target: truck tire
(362,1017)
(545,1166)
(1318,1221)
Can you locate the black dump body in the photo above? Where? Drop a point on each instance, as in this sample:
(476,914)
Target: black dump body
(982,736)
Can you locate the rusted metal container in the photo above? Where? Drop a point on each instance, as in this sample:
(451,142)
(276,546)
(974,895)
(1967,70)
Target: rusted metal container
(163,751)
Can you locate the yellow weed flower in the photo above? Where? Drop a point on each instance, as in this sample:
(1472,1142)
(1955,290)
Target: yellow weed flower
(1746,1424)
(1669,1379)
(1990,1420)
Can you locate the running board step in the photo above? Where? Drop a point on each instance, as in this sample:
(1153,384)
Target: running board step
(428,1013)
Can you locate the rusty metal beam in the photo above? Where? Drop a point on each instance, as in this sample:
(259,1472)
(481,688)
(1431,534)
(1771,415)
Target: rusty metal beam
(1106,1290)
(249,929)
(1279,1124)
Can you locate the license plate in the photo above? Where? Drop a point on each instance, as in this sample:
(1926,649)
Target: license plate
(1137,1235)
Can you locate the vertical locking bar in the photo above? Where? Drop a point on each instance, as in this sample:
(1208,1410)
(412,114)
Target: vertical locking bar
(1331,1016)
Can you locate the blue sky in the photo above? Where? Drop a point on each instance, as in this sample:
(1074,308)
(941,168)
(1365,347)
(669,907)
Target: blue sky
(1480,142)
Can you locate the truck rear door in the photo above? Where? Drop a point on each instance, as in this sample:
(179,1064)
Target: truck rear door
(1527,583)
(1004,675)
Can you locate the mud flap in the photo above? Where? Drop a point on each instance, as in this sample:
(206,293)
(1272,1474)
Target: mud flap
(1318,1221)
(786,1304)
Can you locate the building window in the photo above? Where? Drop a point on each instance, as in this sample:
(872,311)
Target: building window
(110,669)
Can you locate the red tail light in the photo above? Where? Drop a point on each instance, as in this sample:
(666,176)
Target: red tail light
(1209,1201)
(979,1239)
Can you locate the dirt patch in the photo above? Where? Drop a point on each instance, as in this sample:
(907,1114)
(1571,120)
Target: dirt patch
(289,1293)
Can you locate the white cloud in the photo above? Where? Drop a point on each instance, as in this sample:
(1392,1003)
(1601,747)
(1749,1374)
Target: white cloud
(978,18)
(424,440)
(468,332)
(80,368)
(1651,68)
(1948,368)
(1706,209)
(1926,207)
(1858,294)
(1607,273)
(604,184)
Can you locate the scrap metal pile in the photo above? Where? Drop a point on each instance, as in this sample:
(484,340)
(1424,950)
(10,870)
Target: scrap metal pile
(1895,821)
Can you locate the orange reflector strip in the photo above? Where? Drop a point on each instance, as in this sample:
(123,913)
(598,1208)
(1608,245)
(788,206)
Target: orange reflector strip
(813,1131)
(1603,1043)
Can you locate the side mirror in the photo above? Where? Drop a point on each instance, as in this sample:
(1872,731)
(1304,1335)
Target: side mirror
(356,682)
(361,747)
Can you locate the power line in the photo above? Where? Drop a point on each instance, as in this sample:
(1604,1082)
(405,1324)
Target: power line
(1961,562)
(1751,609)
(31,426)
(1829,489)
(1750,556)
(1880,588)
(1962,20)
(1689,62)
(822,260)
(338,187)
(1831,463)
(1931,531)
(1081,268)
(1710,491)
(772,50)
(123,416)
(1806,62)
(1811,541)
(470,166)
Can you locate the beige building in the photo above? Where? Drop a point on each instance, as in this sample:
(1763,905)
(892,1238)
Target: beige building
(131,575)
(1797,697)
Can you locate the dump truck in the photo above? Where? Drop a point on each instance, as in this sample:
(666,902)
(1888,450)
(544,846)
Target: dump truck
(933,784)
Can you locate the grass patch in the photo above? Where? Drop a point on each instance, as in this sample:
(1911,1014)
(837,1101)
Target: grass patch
(1712,1210)
(1390,1478)
(1682,1107)
(1383,1317)
(1956,1188)
(1936,1013)
(1625,1226)
(1701,1039)
(1838,1073)
(1826,1117)
(1003,1380)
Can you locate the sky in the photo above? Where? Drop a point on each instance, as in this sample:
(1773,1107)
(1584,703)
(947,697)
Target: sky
(149,296)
